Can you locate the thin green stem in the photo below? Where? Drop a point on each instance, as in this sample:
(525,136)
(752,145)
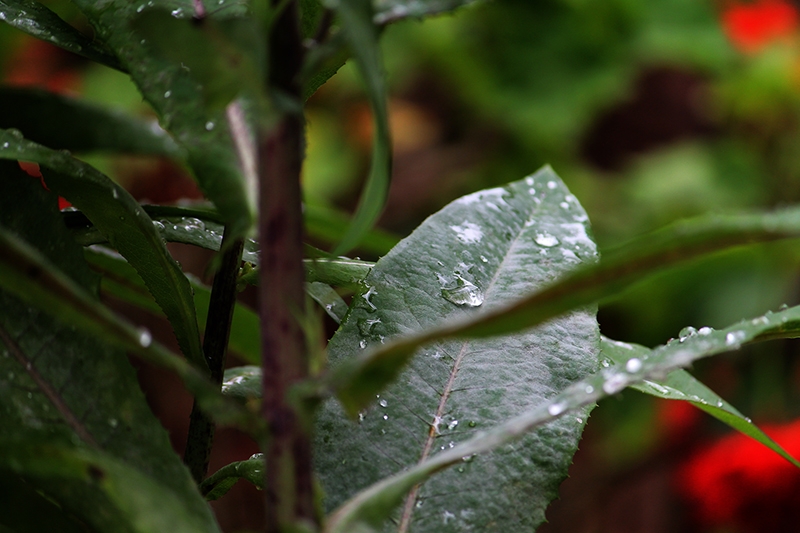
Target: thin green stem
(215,345)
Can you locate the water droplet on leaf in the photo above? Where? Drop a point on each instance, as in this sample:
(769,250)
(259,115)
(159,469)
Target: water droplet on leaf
(546,240)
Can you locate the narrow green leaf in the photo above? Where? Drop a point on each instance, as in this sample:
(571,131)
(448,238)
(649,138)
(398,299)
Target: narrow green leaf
(481,251)
(341,272)
(680,385)
(126,226)
(61,122)
(362,34)
(27,275)
(388,11)
(357,382)
(121,281)
(328,299)
(366,511)
(207,136)
(221,481)
(35,19)
(242,382)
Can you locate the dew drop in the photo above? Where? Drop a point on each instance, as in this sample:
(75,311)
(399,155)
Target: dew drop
(113,422)
(564,205)
(464,293)
(177,12)
(551,185)
(140,8)
(370,292)
(386,417)
(210,125)
(158,225)
(589,389)
(383,403)
(472,423)
(546,240)
(556,409)
(686,332)
(734,338)
(705,330)
(633,365)
(614,383)
(362,344)
(452,425)
(167,94)
(483,258)
(145,338)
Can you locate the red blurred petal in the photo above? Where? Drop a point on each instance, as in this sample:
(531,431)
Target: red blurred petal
(751,27)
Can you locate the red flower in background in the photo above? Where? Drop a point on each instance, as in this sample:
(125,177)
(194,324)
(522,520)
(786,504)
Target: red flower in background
(741,484)
(753,26)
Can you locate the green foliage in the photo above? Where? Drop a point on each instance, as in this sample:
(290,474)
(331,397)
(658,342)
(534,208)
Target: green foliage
(468,355)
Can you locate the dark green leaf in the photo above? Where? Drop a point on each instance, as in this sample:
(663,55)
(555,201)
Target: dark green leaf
(330,226)
(243,382)
(680,385)
(62,386)
(35,19)
(340,272)
(362,34)
(207,136)
(66,123)
(387,11)
(479,252)
(126,226)
(358,381)
(221,481)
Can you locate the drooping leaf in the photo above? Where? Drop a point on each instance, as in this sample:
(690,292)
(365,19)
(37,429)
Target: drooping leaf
(126,226)
(177,98)
(220,482)
(60,122)
(366,511)
(387,11)
(37,20)
(358,381)
(362,35)
(680,385)
(479,252)
(63,387)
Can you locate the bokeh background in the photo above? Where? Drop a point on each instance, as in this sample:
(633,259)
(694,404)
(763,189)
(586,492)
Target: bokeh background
(651,111)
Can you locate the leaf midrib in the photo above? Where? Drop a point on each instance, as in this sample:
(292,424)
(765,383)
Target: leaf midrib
(409,505)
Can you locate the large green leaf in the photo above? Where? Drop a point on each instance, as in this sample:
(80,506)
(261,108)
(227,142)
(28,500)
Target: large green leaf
(126,226)
(479,252)
(367,510)
(360,379)
(178,99)
(362,35)
(387,11)
(69,389)
(61,122)
(35,19)
(680,385)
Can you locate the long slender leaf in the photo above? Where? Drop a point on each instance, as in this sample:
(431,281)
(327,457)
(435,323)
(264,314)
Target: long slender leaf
(367,511)
(680,385)
(37,20)
(221,481)
(178,100)
(61,122)
(362,34)
(329,226)
(478,252)
(126,226)
(357,382)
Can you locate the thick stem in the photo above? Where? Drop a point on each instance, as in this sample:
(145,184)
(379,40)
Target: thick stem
(289,484)
(215,345)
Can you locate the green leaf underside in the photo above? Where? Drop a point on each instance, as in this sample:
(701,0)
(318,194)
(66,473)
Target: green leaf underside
(60,122)
(121,281)
(67,389)
(619,269)
(356,20)
(178,100)
(453,389)
(220,482)
(680,385)
(126,226)
(35,19)
(366,508)
(387,11)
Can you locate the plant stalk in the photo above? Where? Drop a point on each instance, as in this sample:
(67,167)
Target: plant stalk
(289,483)
(215,346)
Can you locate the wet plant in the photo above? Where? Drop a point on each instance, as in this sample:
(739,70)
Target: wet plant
(455,391)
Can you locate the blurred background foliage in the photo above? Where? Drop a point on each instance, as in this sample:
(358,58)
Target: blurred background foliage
(651,111)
